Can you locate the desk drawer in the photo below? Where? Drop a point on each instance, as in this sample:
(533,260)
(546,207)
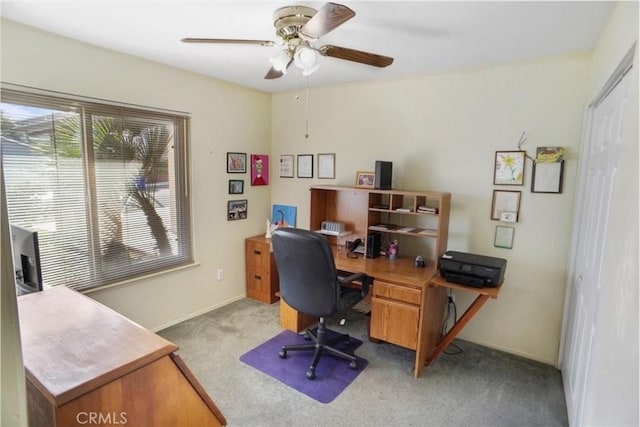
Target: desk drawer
(397,293)
(258,255)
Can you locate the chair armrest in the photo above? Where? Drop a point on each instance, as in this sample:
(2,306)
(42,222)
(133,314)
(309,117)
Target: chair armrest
(365,280)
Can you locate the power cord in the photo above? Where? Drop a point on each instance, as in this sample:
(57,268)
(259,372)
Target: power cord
(445,328)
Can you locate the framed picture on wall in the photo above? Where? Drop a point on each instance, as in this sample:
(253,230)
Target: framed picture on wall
(236,186)
(236,162)
(509,168)
(259,169)
(505,204)
(327,165)
(236,209)
(286,166)
(305,165)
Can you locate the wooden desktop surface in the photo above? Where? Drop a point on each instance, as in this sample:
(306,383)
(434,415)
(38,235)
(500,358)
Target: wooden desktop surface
(72,344)
(401,270)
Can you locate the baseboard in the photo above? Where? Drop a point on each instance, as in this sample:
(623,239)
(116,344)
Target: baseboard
(512,351)
(198,313)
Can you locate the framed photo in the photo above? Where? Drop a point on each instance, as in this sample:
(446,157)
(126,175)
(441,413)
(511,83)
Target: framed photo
(546,177)
(283,215)
(236,186)
(327,165)
(236,162)
(504,237)
(509,168)
(259,169)
(236,209)
(286,166)
(365,179)
(505,202)
(305,165)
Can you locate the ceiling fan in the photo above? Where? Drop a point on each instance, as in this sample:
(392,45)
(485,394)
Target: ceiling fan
(296,28)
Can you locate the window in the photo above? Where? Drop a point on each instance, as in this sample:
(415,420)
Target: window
(104,185)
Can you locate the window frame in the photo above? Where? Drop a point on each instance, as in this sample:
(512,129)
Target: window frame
(87,108)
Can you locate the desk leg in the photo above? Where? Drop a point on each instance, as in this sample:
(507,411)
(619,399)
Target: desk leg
(460,324)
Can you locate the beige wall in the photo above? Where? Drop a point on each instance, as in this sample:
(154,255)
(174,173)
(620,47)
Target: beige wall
(225,117)
(441,132)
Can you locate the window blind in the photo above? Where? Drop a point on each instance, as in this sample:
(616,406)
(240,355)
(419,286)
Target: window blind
(104,185)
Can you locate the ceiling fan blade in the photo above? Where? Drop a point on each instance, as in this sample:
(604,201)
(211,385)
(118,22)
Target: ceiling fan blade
(275,74)
(356,56)
(326,19)
(227,41)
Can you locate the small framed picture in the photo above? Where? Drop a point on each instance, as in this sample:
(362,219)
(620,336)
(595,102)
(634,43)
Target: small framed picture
(327,165)
(236,186)
(259,169)
(509,168)
(236,162)
(505,202)
(546,177)
(236,209)
(504,237)
(305,165)
(365,179)
(286,166)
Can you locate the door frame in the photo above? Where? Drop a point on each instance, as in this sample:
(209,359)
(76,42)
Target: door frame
(617,75)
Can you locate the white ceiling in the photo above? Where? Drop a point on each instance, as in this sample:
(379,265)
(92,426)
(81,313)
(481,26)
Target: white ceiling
(423,36)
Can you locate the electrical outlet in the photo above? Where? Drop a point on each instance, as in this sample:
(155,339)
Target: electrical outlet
(220,274)
(452,298)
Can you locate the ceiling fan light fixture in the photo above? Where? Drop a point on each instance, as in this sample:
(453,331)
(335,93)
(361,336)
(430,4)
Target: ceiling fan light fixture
(305,59)
(280,62)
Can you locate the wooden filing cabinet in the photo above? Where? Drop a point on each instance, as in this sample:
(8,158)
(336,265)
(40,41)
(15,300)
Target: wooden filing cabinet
(395,314)
(262,275)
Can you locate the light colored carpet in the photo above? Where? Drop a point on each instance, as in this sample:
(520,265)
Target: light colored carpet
(479,387)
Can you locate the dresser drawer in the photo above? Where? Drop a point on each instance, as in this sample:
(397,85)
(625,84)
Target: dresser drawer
(396,292)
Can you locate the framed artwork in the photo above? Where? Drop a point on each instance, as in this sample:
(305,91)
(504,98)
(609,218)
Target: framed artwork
(505,204)
(286,166)
(509,168)
(236,209)
(236,162)
(236,186)
(259,169)
(504,237)
(305,165)
(365,179)
(327,165)
(547,177)
(548,169)
(283,216)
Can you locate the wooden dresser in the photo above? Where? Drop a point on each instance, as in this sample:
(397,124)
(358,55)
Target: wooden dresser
(86,364)
(262,275)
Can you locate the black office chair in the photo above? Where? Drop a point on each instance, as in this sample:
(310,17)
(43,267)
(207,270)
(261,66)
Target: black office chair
(310,283)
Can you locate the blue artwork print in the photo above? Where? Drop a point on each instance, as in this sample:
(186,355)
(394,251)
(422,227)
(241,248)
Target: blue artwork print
(283,216)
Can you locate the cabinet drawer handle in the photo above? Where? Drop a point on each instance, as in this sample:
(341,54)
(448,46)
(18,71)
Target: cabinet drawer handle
(257,252)
(255,276)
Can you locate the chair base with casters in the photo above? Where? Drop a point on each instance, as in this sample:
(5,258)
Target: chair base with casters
(319,346)
(311,284)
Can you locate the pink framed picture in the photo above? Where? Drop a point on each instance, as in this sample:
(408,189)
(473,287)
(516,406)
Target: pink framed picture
(259,169)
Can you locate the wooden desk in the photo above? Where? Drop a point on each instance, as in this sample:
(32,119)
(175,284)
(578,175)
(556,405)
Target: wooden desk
(405,310)
(83,362)
(407,305)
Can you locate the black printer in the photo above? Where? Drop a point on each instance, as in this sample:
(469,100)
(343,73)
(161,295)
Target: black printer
(471,269)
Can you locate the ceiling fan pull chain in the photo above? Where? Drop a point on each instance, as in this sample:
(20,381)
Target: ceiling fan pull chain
(306,135)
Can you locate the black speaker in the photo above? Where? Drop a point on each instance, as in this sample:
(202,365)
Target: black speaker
(373,245)
(383,175)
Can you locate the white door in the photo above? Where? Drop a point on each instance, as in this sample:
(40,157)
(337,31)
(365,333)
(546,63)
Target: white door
(601,156)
